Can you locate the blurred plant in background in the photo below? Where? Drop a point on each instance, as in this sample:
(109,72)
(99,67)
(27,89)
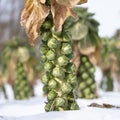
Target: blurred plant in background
(110,62)
(19,67)
(86,47)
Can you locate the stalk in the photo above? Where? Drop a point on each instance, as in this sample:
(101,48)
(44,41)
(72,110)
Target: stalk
(59,79)
(86,83)
(22,90)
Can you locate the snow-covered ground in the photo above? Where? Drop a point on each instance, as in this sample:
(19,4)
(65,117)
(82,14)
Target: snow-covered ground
(33,109)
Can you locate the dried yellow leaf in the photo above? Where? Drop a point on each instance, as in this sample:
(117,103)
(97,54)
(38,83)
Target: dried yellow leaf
(60,14)
(82,1)
(70,3)
(32,17)
(43,1)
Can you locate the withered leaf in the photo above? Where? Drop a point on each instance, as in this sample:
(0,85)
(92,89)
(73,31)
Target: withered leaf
(60,14)
(82,1)
(42,1)
(71,3)
(32,17)
(68,3)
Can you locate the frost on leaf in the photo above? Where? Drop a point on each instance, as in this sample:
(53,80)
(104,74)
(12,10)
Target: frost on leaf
(60,14)
(32,17)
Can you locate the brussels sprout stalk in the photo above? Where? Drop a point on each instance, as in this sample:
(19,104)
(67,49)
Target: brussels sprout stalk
(59,79)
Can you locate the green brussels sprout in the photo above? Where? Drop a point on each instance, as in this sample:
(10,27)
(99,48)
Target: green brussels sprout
(86,91)
(43,58)
(81,69)
(63,60)
(52,84)
(70,68)
(74,106)
(84,75)
(45,89)
(91,96)
(50,55)
(58,72)
(43,48)
(66,88)
(47,24)
(80,95)
(51,95)
(89,81)
(48,107)
(93,86)
(66,48)
(67,37)
(60,102)
(45,79)
(84,59)
(82,85)
(45,36)
(72,79)
(48,66)
(87,64)
(53,43)
(91,70)
(54,32)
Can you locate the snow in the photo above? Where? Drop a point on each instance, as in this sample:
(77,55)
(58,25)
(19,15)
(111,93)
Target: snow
(33,109)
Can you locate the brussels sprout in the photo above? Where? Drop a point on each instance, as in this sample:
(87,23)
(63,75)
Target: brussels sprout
(66,88)
(82,85)
(93,86)
(81,69)
(52,84)
(58,72)
(47,107)
(80,95)
(47,24)
(66,48)
(85,75)
(70,68)
(45,89)
(72,79)
(50,55)
(91,96)
(63,60)
(67,37)
(74,106)
(48,66)
(53,43)
(45,36)
(89,81)
(91,70)
(43,58)
(51,95)
(60,102)
(84,59)
(87,64)
(43,48)
(86,91)
(45,79)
